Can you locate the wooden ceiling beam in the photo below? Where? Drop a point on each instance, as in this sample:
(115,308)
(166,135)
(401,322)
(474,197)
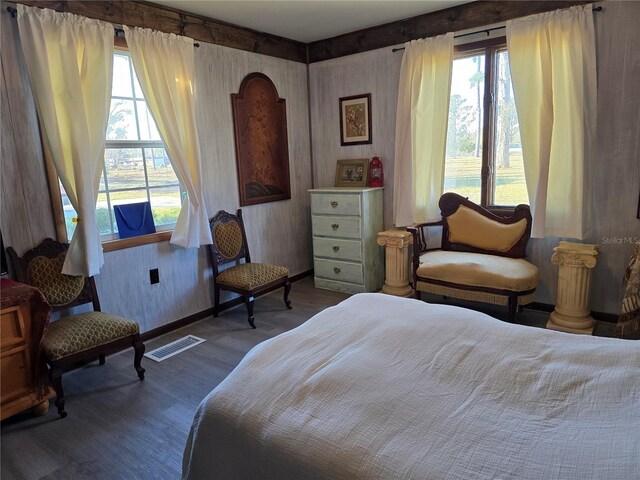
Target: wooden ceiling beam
(147,15)
(462,17)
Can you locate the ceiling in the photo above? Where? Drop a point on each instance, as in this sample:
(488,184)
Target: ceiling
(308,20)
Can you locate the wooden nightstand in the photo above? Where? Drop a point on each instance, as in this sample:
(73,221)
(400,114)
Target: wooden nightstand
(18,391)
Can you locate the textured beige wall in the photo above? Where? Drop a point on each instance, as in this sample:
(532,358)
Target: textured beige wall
(278,232)
(24,207)
(617,163)
(376,72)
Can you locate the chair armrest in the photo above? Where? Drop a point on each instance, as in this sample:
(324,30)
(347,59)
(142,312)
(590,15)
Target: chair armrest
(419,234)
(439,223)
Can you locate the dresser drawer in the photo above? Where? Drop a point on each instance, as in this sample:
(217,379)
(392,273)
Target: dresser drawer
(338,249)
(335,204)
(15,374)
(12,326)
(340,271)
(345,224)
(345,227)
(17,392)
(344,287)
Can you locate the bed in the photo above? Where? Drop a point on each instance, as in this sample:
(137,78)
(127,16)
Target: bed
(380,387)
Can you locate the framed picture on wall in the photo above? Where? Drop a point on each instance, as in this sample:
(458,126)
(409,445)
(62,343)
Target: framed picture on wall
(352,173)
(355,120)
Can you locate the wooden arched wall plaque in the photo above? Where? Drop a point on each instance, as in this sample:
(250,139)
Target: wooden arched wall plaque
(262,152)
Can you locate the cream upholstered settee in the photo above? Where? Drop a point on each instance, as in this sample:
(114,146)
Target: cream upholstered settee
(481,257)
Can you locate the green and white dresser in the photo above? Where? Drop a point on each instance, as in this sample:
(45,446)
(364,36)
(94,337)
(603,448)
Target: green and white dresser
(345,222)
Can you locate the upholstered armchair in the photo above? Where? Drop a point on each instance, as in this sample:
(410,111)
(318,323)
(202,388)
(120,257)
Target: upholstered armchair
(75,338)
(247,279)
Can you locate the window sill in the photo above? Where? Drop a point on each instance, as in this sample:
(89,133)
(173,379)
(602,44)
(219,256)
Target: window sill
(122,243)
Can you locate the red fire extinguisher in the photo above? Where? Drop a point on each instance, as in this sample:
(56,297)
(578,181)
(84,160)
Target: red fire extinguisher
(376,173)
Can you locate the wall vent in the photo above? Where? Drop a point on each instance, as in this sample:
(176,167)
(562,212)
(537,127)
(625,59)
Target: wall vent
(173,348)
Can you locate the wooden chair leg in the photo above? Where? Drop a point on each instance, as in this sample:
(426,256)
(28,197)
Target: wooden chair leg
(513,308)
(248,301)
(55,376)
(138,348)
(287,289)
(216,300)
(101,358)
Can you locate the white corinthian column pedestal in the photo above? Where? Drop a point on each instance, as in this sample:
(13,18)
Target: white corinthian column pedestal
(575,262)
(396,243)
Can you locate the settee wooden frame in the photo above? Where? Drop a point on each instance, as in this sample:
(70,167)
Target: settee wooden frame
(449,204)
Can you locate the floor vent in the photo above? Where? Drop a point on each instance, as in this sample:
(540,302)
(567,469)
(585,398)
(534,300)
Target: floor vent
(173,348)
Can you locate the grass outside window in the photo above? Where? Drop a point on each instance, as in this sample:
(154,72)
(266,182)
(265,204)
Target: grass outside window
(484,155)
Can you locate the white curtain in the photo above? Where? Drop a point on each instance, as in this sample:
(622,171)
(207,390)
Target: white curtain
(164,65)
(421,129)
(553,69)
(69,62)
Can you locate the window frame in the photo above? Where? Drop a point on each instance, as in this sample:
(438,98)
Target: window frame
(489,48)
(108,244)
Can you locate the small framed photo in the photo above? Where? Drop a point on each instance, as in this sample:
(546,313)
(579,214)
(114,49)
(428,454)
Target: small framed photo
(352,173)
(355,120)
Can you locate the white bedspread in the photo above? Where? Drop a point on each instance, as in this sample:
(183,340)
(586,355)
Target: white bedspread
(380,387)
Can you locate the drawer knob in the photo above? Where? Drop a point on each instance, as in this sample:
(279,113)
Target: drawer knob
(335,226)
(336,248)
(334,204)
(336,270)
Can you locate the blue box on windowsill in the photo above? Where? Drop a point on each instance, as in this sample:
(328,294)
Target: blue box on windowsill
(134,219)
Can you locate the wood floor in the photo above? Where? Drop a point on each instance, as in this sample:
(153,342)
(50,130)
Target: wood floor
(121,428)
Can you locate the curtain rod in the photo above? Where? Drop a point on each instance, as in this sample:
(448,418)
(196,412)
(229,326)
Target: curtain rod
(117,31)
(487,31)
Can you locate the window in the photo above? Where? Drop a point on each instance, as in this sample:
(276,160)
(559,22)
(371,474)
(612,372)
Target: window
(484,154)
(136,165)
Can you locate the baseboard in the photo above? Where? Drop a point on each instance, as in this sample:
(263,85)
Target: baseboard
(156,332)
(600,316)
(169,327)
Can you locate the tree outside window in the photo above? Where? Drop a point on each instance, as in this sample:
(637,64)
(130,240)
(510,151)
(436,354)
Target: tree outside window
(484,154)
(136,165)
